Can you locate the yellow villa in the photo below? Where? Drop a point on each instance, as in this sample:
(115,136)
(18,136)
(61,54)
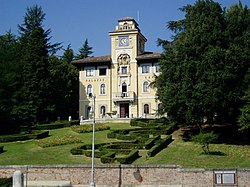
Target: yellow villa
(121,81)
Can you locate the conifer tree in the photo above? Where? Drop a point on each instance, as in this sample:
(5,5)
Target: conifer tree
(33,104)
(85,51)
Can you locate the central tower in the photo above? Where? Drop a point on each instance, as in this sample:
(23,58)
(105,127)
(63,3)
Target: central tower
(127,42)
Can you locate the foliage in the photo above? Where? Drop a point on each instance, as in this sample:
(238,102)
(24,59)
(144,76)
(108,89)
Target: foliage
(5,182)
(130,158)
(1,149)
(244,118)
(108,158)
(37,86)
(88,127)
(204,139)
(35,134)
(186,154)
(85,51)
(203,67)
(159,146)
(59,140)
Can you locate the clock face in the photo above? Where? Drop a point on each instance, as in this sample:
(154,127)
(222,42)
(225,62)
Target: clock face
(123,41)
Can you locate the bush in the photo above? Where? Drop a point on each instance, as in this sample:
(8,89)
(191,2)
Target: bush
(97,154)
(150,143)
(23,137)
(48,126)
(6,182)
(108,158)
(58,140)
(128,159)
(89,127)
(123,145)
(76,151)
(205,139)
(161,145)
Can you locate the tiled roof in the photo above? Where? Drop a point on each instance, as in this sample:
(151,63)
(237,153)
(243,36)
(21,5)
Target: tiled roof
(148,55)
(126,19)
(97,59)
(105,59)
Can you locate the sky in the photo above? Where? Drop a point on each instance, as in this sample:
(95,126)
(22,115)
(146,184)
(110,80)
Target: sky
(74,21)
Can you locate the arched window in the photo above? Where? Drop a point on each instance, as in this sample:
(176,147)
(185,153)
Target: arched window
(89,89)
(88,112)
(160,107)
(146,109)
(145,86)
(102,89)
(103,111)
(124,87)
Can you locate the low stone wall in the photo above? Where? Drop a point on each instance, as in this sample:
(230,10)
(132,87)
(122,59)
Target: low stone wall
(131,175)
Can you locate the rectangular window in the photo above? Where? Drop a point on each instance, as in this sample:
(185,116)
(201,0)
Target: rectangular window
(124,70)
(90,72)
(145,68)
(102,71)
(225,177)
(157,68)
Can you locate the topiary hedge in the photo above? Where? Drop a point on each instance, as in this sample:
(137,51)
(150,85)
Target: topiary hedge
(159,146)
(56,125)
(150,143)
(128,159)
(35,134)
(108,158)
(89,127)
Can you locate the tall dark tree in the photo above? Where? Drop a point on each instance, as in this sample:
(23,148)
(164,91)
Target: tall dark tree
(238,56)
(9,79)
(200,72)
(85,51)
(32,103)
(68,54)
(64,89)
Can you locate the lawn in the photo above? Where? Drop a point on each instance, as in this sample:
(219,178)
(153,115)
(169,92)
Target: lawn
(182,153)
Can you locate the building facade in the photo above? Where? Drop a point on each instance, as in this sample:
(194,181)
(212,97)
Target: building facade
(121,81)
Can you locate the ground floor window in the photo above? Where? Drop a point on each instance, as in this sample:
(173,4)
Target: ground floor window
(146,108)
(102,111)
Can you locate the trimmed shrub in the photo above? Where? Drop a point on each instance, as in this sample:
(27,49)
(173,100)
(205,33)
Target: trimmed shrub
(97,154)
(6,182)
(128,159)
(161,145)
(23,137)
(134,122)
(86,149)
(150,143)
(76,151)
(74,122)
(123,145)
(48,126)
(111,135)
(59,140)
(108,158)
(89,127)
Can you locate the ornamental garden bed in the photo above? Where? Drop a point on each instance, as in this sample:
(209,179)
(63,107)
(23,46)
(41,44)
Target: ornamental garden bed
(151,135)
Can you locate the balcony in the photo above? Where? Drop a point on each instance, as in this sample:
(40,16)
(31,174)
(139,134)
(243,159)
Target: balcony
(123,96)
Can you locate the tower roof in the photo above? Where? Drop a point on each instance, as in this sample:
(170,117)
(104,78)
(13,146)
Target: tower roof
(128,19)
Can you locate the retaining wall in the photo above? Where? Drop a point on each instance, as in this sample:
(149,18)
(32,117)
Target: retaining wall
(131,175)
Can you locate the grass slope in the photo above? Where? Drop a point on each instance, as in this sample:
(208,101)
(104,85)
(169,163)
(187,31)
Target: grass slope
(178,152)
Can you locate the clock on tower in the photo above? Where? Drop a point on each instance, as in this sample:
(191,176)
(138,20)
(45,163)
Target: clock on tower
(123,41)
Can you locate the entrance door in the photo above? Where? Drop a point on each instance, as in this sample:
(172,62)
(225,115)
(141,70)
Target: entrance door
(124,110)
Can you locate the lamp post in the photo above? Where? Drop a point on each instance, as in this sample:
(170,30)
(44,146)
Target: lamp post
(92,182)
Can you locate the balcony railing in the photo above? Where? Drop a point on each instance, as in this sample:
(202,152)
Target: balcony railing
(123,96)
